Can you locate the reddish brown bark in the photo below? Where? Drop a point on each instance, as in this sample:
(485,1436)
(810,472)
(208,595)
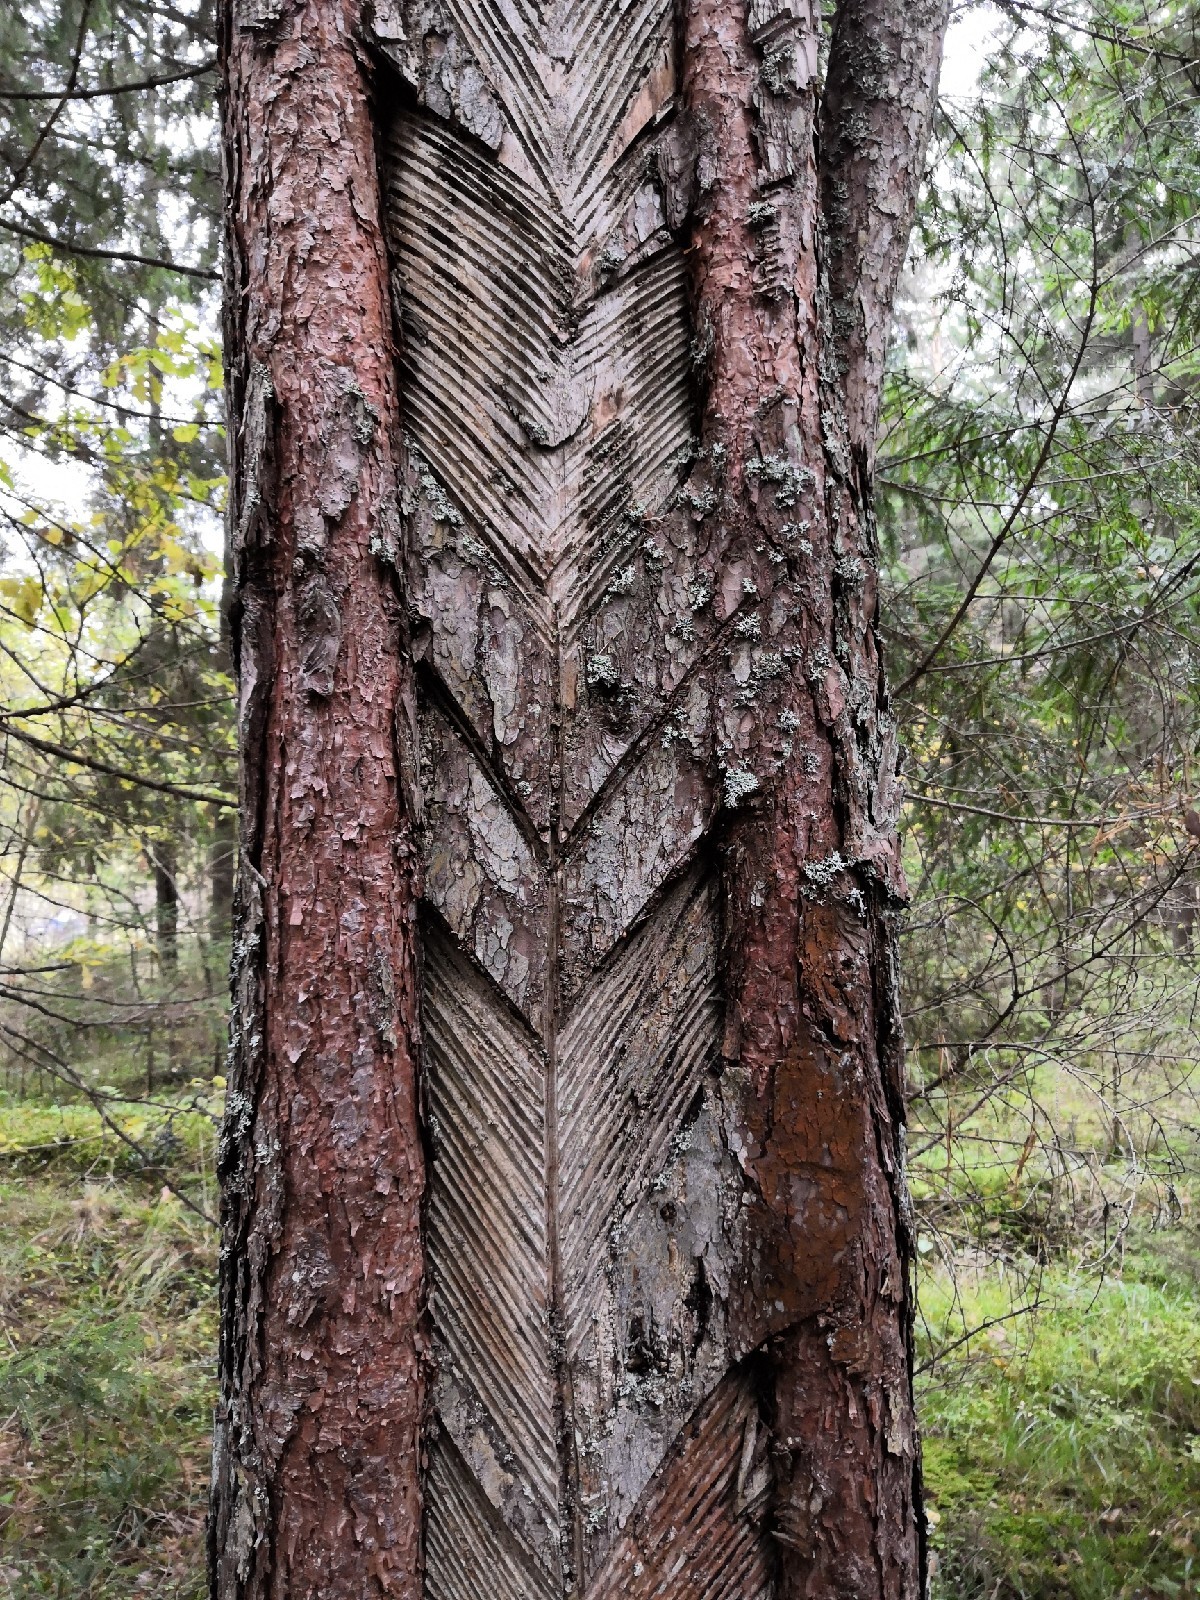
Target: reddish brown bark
(812,871)
(316,1487)
(876,112)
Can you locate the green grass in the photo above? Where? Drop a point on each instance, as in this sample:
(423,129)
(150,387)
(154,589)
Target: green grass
(128,1138)
(107,1334)
(1062,1449)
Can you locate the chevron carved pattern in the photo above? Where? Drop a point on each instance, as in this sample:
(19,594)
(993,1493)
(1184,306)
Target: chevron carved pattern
(594,1434)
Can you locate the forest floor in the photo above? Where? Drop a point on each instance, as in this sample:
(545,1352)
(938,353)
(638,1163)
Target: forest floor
(1062,1445)
(108,1322)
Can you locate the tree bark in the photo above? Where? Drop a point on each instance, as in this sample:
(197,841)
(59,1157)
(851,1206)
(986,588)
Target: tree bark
(166,908)
(315,1471)
(811,867)
(640,272)
(222,866)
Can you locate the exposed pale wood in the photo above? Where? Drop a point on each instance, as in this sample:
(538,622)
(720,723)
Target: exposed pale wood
(642,569)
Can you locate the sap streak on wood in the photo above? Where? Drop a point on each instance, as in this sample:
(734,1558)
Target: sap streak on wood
(570,78)
(546,370)
(471,1555)
(546,426)
(698,1533)
(659,808)
(483,872)
(647,1201)
(650,1199)
(503,311)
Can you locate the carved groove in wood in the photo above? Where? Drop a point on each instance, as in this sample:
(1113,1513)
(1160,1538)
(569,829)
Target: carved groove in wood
(594,1433)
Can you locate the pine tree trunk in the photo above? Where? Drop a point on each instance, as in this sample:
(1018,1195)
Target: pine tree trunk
(641,279)
(222,861)
(315,1470)
(166,908)
(222,864)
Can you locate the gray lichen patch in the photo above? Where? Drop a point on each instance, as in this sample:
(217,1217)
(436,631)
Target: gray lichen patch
(791,479)
(737,785)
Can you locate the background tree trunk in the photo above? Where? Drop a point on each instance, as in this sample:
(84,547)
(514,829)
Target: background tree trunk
(222,861)
(640,338)
(222,865)
(166,907)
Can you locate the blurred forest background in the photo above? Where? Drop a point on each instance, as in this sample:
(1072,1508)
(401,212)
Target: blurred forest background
(1039,505)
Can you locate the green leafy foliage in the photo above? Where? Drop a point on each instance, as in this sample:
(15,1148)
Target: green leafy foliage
(1040,513)
(115,690)
(1039,509)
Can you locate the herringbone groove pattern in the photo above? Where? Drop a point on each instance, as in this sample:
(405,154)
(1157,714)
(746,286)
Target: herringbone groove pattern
(593,1433)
